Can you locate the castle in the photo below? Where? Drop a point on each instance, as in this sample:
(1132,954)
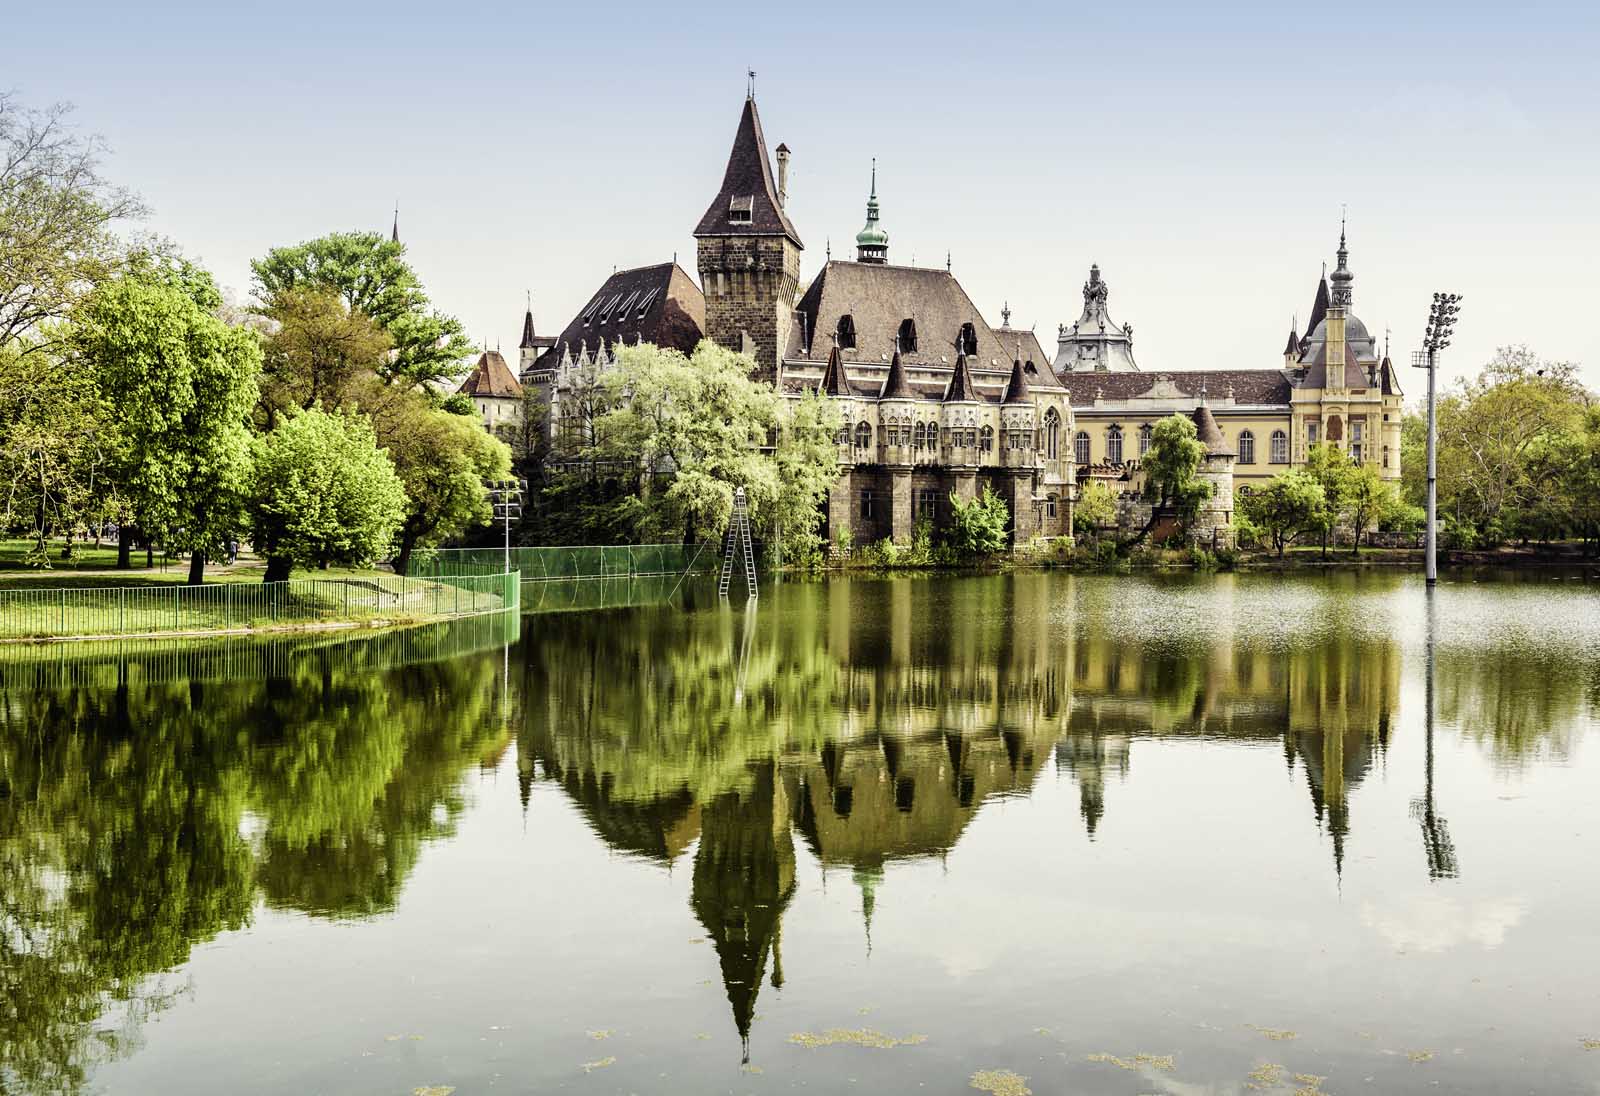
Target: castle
(937,402)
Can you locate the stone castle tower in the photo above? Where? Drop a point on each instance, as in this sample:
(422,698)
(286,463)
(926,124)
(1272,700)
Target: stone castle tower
(749,252)
(1213,524)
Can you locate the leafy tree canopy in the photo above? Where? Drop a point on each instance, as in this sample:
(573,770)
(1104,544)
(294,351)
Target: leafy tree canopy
(1284,507)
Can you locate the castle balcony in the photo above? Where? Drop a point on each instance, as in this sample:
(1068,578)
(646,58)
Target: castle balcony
(899,454)
(1020,458)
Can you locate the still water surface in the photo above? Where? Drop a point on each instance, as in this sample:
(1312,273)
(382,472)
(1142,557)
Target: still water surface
(1110,835)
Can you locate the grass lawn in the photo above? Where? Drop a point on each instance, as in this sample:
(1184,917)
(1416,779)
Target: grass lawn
(93,567)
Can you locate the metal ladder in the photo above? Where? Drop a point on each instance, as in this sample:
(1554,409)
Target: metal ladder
(738,540)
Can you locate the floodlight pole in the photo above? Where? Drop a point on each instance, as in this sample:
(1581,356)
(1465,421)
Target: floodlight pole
(1432,572)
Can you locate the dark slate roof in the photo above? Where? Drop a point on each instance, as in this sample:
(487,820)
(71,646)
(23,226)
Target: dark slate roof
(1209,433)
(492,378)
(835,381)
(961,386)
(1391,380)
(1319,305)
(527,342)
(1032,351)
(674,317)
(1251,387)
(879,298)
(1355,370)
(894,385)
(1017,386)
(1293,346)
(748,180)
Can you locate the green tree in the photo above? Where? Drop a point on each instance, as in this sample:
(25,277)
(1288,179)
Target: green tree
(1095,509)
(689,430)
(319,351)
(1286,506)
(56,216)
(371,275)
(1331,468)
(807,466)
(1368,500)
(443,460)
(978,525)
(183,384)
(323,492)
(1172,473)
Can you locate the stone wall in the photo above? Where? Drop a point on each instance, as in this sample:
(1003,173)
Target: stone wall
(750,285)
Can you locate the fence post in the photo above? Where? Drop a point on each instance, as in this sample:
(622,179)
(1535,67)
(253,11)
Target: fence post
(122,598)
(63,612)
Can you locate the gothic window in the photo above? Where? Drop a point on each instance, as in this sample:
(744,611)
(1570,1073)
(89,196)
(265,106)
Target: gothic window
(1247,447)
(908,336)
(1146,436)
(919,436)
(1114,445)
(986,439)
(1052,432)
(1280,447)
(847,332)
(1050,506)
(971,437)
(968,343)
(1080,448)
(843,435)
(863,436)
(1357,436)
(1312,428)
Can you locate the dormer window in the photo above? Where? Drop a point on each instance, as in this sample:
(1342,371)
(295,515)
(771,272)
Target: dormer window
(847,332)
(649,299)
(588,316)
(741,211)
(908,336)
(605,313)
(968,342)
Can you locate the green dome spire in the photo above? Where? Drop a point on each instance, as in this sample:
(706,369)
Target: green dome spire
(872,242)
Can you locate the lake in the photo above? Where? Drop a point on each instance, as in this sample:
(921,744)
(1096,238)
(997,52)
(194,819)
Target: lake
(1042,832)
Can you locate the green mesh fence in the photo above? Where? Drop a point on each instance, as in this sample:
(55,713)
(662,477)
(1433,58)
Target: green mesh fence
(222,607)
(597,561)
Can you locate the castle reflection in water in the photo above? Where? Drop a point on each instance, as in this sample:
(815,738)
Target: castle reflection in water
(874,721)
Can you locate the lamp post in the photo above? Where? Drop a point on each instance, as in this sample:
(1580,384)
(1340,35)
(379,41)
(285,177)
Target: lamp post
(506,495)
(1441,319)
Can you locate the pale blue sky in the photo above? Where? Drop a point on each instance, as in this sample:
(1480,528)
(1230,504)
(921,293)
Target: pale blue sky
(1199,153)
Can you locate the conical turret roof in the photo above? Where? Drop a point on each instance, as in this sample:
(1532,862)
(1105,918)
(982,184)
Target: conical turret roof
(1209,433)
(835,382)
(895,386)
(1017,386)
(961,389)
(527,342)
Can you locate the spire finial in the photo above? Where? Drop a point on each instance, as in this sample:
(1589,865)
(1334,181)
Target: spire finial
(750,91)
(529,293)
(947,260)
(1005,314)
(874,192)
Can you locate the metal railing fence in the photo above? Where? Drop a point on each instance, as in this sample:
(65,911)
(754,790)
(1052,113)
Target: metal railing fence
(588,561)
(226,607)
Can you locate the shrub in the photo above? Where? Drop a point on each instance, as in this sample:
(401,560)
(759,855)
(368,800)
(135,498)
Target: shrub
(978,528)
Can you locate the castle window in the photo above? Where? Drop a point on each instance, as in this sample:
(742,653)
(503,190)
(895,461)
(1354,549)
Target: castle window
(1050,506)
(1080,448)
(1146,436)
(986,439)
(968,342)
(847,332)
(843,435)
(868,504)
(1247,447)
(1386,456)
(1357,436)
(1114,445)
(1052,430)
(1280,448)
(927,503)
(741,210)
(908,336)
(971,438)
(1312,431)
(863,436)
(919,436)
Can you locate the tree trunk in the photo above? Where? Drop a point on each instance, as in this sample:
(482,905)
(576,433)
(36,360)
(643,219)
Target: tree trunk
(277,569)
(197,567)
(402,562)
(149,554)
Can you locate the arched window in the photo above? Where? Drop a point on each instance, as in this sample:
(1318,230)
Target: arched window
(986,439)
(1080,448)
(843,436)
(1052,432)
(863,436)
(908,336)
(919,436)
(1146,434)
(1280,447)
(1247,447)
(1114,445)
(847,332)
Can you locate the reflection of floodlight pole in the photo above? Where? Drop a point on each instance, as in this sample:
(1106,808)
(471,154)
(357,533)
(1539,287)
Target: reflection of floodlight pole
(1436,844)
(1441,318)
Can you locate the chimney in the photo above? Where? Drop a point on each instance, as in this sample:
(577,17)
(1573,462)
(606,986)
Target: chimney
(783,176)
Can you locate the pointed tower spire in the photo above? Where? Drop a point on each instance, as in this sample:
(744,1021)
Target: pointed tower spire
(527,342)
(872,242)
(1017,386)
(1341,279)
(394,233)
(747,204)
